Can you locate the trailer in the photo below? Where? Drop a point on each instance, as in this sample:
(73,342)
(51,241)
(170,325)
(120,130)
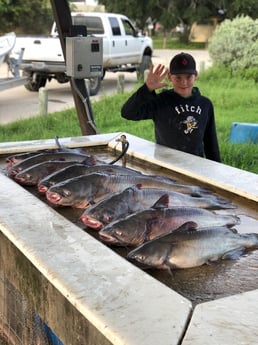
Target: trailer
(7,43)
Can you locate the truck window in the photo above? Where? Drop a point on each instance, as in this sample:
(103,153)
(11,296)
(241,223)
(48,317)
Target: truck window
(129,29)
(94,24)
(115,26)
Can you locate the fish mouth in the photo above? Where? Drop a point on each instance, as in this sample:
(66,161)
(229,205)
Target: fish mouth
(18,179)
(12,173)
(54,198)
(23,181)
(42,189)
(9,163)
(107,238)
(91,222)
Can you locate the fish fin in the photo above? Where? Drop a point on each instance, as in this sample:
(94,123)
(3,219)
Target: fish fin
(188,226)
(234,254)
(162,202)
(171,267)
(147,231)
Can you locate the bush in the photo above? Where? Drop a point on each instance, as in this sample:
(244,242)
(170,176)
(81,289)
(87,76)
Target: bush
(234,44)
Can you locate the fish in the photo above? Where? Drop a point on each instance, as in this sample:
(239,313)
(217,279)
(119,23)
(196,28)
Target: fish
(82,191)
(15,158)
(189,247)
(136,198)
(82,169)
(114,208)
(34,174)
(42,157)
(148,224)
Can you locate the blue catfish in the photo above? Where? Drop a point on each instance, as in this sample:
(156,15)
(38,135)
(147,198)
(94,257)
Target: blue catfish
(136,198)
(83,191)
(190,247)
(82,169)
(34,174)
(17,157)
(148,224)
(47,156)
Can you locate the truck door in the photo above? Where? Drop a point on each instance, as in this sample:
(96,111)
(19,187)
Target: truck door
(117,44)
(133,42)
(123,44)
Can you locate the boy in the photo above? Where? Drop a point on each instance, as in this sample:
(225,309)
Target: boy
(183,118)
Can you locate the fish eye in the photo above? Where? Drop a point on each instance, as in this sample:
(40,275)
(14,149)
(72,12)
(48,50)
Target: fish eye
(119,232)
(66,192)
(107,218)
(141,257)
(28,176)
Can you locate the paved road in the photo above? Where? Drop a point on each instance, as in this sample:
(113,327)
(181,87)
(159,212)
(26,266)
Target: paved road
(18,103)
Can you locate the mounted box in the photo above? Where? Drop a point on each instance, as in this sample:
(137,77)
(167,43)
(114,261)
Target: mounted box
(84,57)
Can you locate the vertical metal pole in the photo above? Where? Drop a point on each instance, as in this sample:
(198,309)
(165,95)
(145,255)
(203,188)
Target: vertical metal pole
(63,19)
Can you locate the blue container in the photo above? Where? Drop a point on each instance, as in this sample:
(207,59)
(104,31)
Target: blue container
(242,132)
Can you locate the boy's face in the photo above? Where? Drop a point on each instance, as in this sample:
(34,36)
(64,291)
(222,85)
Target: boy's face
(182,83)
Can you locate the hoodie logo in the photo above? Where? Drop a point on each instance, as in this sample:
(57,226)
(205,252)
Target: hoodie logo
(190,123)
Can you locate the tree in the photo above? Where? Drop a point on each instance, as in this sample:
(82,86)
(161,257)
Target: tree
(25,16)
(35,16)
(171,12)
(234,44)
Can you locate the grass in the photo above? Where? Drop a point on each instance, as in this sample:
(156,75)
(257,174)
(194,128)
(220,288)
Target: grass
(159,42)
(235,100)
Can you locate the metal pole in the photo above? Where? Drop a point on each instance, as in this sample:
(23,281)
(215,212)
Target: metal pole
(63,19)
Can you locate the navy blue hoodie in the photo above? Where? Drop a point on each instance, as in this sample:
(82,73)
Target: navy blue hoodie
(185,124)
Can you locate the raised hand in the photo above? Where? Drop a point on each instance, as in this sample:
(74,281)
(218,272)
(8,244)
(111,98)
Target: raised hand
(155,77)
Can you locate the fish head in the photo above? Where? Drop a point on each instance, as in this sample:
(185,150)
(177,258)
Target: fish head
(91,222)
(10,161)
(123,232)
(107,210)
(25,178)
(67,194)
(148,255)
(108,238)
(96,217)
(115,235)
(42,188)
(13,170)
(44,185)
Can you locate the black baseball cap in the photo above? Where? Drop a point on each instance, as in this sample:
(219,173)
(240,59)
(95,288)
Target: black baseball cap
(183,63)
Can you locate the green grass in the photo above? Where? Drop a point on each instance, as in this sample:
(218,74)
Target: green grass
(234,99)
(173,43)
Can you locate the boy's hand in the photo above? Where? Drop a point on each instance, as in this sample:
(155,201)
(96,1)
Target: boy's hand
(155,77)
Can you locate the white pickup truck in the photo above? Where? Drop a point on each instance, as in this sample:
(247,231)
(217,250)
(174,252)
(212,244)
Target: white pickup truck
(124,49)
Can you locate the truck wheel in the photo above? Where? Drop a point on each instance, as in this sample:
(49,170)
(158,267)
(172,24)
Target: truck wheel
(145,65)
(35,85)
(94,85)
